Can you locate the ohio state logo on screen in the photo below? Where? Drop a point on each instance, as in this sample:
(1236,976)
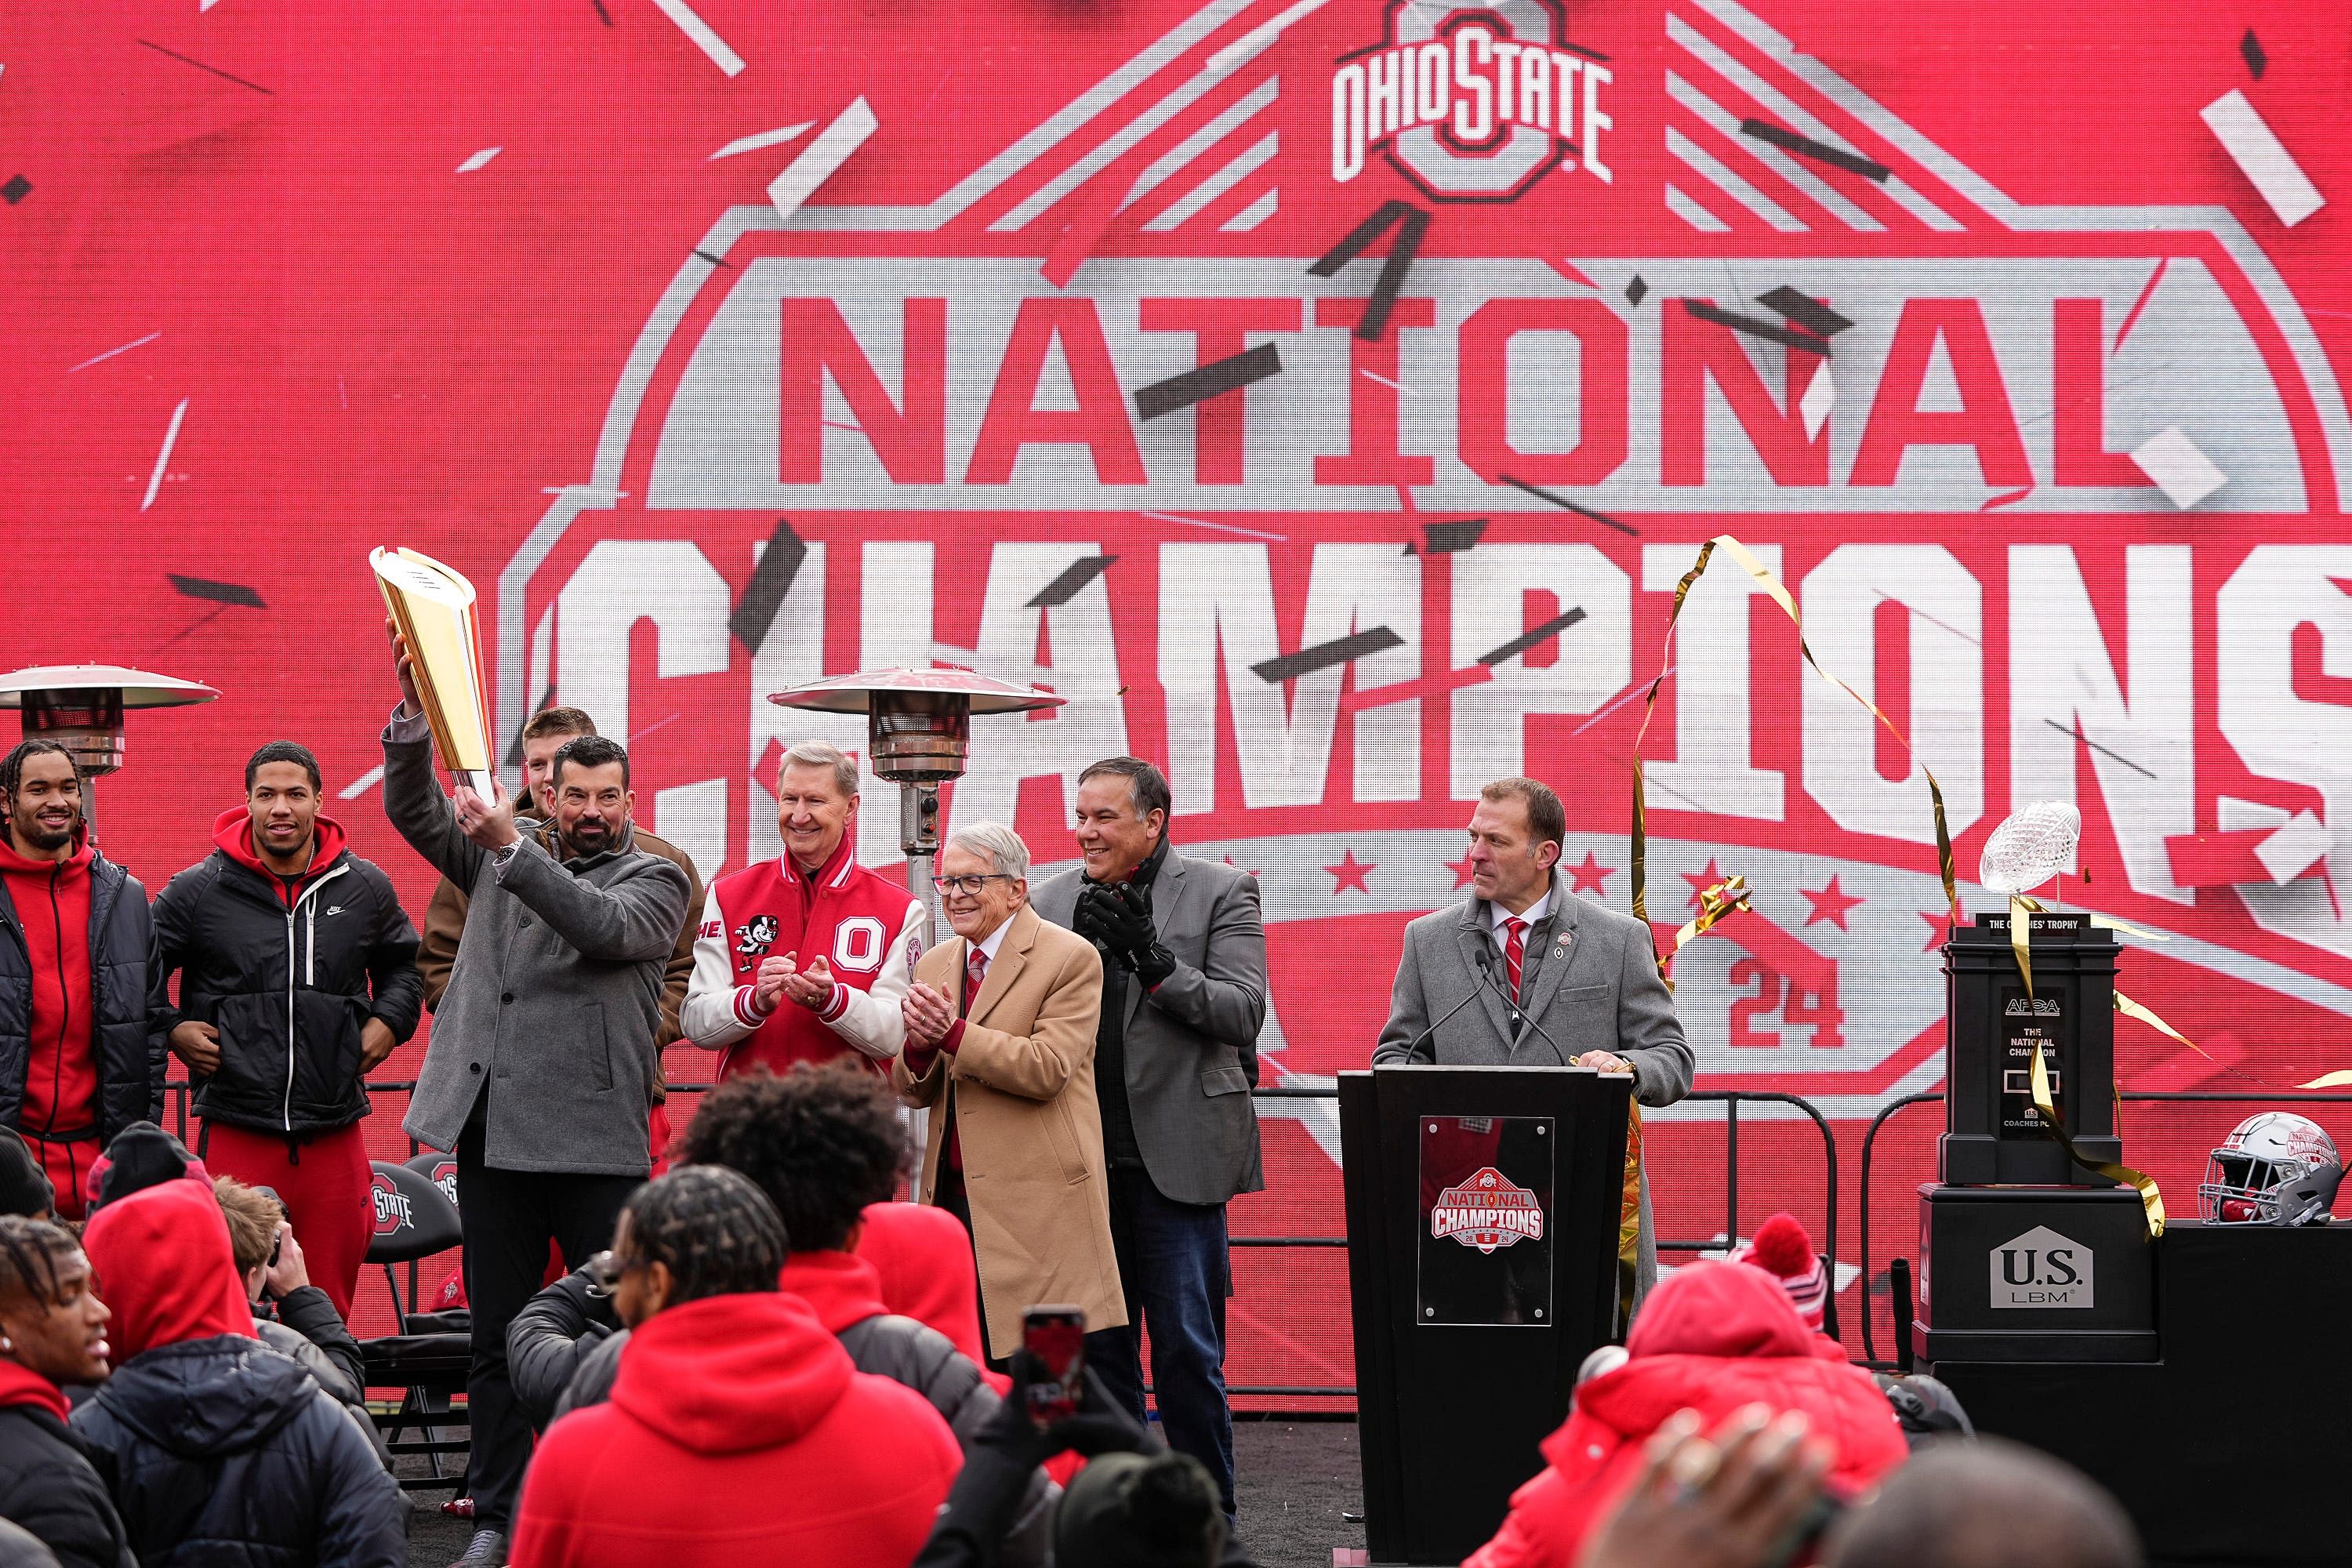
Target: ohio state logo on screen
(391,1210)
(1486,1212)
(1473,103)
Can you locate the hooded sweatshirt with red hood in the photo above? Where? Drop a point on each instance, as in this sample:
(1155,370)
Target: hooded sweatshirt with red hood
(290,969)
(80,1055)
(221,1451)
(738,1432)
(1714,1338)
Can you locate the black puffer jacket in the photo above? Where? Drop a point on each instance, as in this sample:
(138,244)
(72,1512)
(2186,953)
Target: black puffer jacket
(289,983)
(47,1485)
(556,1332)
(221,1452)
(308,1330)
(128,1041)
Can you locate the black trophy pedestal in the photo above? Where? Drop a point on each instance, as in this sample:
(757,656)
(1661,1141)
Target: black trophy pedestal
(2221,1451)
(2034,1274)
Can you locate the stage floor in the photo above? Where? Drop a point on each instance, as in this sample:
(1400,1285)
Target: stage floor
(1292,1480)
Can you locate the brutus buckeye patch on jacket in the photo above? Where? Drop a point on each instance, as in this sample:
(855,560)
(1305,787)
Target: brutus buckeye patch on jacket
(753,938)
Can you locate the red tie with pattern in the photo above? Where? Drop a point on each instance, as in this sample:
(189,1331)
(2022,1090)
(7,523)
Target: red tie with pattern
(1515,949)
(976,971)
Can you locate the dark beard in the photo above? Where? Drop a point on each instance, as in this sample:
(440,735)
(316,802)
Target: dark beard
(34,836)
(594,840)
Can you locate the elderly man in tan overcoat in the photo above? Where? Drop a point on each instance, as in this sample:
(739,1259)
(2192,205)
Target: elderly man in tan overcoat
(1001,1024)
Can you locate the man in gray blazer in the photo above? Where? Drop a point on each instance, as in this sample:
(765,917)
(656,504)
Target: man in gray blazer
(540,1070)
(1526,973)
(1183,949)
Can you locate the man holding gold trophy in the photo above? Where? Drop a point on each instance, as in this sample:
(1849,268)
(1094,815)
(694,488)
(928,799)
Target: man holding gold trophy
(542,1050)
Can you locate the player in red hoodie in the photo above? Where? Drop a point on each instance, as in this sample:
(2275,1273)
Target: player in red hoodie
(297,976)
(1715,1338)
(808,955)
(82,1051)
(738,1433)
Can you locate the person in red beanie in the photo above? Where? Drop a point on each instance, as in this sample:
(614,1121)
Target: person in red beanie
(739,1432)
(298,977)
(81,1046)
(52,1334)
(218,1448)
(1717,1339)
(1783,1248)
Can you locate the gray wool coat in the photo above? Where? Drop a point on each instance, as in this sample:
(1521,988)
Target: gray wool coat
(555,1002)
(1590,980)
(1191,1047)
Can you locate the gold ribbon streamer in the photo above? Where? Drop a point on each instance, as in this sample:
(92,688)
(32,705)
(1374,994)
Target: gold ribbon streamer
(1729,897)
(1629,1213)
(2131,1009)
(2151,1200)
(1780,595)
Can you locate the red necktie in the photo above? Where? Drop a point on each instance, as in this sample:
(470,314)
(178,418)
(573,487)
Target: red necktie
(975,971)
(1515,949)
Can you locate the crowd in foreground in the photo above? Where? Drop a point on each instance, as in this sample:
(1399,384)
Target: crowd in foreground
(774,1364)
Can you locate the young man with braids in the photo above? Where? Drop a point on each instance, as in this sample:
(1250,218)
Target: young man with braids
(52,1334)
(81,1044)
(738,1430)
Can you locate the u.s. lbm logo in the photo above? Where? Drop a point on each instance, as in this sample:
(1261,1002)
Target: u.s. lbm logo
(2040,1269)
(1486,1212)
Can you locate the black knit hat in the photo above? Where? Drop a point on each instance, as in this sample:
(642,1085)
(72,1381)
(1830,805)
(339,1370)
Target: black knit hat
(1139,1510)
(141,1155)
(24,1190)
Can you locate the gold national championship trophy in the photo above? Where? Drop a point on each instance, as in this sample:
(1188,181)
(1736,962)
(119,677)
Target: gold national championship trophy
(434,608)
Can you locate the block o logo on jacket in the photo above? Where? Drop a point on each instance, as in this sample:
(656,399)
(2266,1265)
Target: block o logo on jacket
(1473,103)
(1486,1212)
(392,1214)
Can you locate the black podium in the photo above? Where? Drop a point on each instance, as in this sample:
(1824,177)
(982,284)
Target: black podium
(1483,1210)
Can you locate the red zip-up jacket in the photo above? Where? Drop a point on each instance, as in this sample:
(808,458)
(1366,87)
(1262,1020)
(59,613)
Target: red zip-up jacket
(52,904)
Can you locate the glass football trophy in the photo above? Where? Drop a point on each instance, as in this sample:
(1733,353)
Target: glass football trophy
(433,605)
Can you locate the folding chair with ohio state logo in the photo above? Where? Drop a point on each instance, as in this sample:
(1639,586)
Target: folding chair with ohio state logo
(416,1217)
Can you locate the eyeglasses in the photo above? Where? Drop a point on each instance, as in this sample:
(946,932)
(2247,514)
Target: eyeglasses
(972,885)
(604,1271)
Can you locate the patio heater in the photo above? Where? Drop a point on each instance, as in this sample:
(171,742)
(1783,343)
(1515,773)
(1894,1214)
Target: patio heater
(81,707)
(919,733)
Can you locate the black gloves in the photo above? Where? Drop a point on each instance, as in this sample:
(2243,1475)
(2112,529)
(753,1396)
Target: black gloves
(1098,1428)
(1009,1446)
(1117,917)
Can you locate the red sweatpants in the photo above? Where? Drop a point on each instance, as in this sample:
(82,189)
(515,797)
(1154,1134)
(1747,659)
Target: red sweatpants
(322,1182)
(67,1163)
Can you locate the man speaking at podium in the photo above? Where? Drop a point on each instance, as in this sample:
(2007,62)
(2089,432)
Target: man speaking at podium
(1526,973)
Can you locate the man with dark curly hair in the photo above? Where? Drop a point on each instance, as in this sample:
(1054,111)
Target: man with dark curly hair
(822,1142)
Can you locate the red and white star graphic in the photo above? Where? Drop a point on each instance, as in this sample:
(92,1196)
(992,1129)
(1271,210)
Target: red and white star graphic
(1460,869)
(1829,904)
(1938,928)
(1587,877)
(1351,873)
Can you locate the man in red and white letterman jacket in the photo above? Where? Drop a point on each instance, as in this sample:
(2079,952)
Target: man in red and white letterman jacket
(807,955)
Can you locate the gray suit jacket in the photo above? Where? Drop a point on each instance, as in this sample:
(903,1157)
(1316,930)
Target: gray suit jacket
(555,999)
(1192,1044)
(1590,983)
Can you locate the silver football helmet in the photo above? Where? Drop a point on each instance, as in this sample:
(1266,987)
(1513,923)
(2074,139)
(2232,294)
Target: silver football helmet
(2274,1168)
